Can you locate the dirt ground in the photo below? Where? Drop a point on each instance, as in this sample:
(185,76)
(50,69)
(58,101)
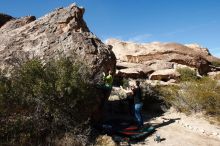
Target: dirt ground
(174,128)
(177,129)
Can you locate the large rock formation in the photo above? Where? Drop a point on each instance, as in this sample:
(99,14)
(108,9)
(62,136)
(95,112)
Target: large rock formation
(4,18)
(62,33)
(141,60)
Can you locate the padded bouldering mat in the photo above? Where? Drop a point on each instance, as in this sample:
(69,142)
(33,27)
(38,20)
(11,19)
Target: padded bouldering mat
(126,129)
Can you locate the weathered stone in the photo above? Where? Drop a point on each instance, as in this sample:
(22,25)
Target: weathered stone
(16,23)
(62,33)
(162,56)
(213,74)
(164,75)
(159,64)
(4,18)
(133,70)
(105,140)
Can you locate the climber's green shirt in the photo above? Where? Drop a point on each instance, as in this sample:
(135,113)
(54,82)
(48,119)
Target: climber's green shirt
(108,81)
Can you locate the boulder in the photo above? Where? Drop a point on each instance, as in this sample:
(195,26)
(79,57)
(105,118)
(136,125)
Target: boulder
(61,33)
(160,64)
(105,140)
(214,75)
(164,75)
(133,70)
(159,56)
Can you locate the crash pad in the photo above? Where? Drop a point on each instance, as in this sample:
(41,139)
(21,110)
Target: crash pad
(134,132)
(126,129)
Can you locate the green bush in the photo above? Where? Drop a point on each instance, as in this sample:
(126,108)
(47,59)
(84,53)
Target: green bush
(169,94)
(41,101)
(187,74)
(198,96)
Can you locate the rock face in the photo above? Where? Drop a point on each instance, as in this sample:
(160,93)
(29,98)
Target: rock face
(145,59)
(4,18)
(62,33)
(164,75)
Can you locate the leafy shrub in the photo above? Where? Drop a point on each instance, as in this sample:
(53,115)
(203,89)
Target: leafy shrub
(171,97)
(187,74)
(41,101)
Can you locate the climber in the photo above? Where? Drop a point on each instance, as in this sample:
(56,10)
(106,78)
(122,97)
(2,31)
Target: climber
(108,80)
(106,86)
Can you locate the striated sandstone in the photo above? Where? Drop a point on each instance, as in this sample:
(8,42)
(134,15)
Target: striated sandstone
(164,75)
(161,56)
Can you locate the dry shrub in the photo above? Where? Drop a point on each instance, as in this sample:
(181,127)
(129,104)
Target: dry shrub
(187,74)
(198,96)
(216,63)
(42,101)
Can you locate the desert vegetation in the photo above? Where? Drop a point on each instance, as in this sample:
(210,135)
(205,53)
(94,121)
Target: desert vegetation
(192,94)
(41,102)
(216,63)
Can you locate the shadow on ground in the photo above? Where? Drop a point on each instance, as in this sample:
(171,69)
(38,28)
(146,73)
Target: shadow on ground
(118,121)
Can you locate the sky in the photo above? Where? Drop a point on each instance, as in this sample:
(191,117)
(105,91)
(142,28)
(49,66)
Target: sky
(142,21)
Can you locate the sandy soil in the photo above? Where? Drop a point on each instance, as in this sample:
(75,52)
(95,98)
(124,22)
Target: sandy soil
(177,129)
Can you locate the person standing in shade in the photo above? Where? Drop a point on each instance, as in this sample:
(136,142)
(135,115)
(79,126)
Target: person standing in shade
(138,104)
